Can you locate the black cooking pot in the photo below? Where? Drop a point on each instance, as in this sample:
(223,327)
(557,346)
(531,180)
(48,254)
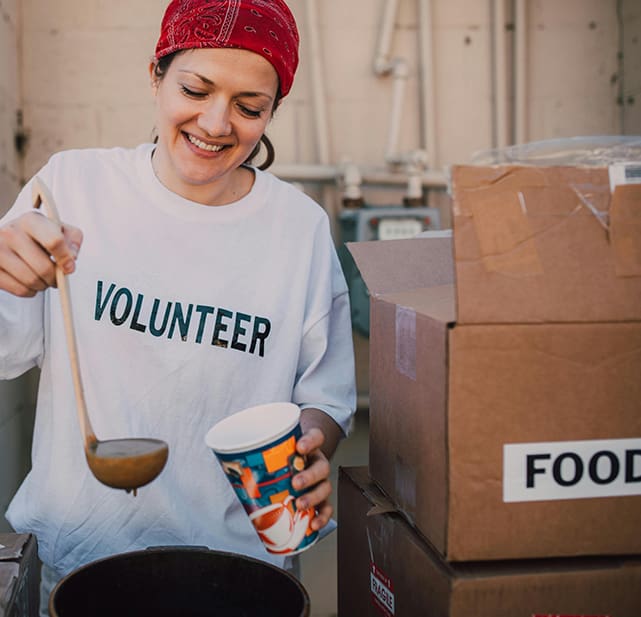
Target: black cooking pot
(179,582)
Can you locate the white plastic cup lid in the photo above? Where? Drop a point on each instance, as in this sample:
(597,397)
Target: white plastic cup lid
(253,427)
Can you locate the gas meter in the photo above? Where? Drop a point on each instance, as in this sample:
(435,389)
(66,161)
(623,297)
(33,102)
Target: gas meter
(376,223)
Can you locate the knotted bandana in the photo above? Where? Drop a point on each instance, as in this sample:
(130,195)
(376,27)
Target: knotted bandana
(266,27)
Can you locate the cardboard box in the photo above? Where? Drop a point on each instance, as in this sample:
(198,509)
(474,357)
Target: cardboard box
(505,367)
(385,568)
(547,244)
(19,576)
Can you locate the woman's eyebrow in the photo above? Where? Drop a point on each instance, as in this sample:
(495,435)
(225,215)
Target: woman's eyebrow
(204,79)
(209,82)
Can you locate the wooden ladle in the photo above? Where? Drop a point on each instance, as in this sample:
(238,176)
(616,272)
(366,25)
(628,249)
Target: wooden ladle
(119,463)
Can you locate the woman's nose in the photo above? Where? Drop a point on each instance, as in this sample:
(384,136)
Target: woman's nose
(215,120)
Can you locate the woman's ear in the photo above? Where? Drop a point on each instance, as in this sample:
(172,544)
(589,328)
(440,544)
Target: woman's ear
(153,77)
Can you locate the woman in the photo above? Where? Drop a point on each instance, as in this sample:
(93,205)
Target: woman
(204,286)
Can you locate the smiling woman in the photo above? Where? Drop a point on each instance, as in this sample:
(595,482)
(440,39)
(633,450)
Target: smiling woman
(212,108)
(205,285)
(160,68)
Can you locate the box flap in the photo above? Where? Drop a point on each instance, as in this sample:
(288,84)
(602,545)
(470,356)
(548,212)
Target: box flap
(12,545)
(625,229)
(436,302)
(545,244)
(13,548)
(397,265)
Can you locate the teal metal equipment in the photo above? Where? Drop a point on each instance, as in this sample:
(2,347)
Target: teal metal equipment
(379,223)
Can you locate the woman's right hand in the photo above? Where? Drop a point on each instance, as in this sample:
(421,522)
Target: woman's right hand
(30,247)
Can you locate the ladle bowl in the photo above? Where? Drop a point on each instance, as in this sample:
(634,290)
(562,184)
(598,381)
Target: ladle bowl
(127,463)
(119,463)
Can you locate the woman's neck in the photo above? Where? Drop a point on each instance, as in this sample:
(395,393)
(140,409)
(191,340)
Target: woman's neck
(220,192)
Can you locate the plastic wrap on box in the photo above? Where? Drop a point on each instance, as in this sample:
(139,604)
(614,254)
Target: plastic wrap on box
(590,151)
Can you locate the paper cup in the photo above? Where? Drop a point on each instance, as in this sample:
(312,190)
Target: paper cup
(256,448)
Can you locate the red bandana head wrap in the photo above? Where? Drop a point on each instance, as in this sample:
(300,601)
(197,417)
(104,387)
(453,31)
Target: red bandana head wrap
(266,27)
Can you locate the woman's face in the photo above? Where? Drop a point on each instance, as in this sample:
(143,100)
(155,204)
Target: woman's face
(212,107)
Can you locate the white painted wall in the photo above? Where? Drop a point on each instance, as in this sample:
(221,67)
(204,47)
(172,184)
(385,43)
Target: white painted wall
(10,172)
(17,408)
(630,93)
(573,66)
(85,75)
(16,397)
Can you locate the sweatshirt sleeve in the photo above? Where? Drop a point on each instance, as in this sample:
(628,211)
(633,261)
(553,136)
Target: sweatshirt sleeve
(21,319)
(326,375)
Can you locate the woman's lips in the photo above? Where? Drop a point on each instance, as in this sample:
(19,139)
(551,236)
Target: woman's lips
(202,147)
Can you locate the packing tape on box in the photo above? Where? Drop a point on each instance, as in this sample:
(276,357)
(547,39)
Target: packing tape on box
(406,341)
(505,236)
(584,200)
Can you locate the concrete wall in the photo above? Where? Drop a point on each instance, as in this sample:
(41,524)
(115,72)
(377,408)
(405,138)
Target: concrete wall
(16,397)
(630,86)
(17,407)
(573,68)
(86,83)
(10,167)
(85,75)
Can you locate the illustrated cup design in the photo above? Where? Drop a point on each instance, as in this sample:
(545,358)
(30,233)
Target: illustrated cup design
(257,451)
(279,528)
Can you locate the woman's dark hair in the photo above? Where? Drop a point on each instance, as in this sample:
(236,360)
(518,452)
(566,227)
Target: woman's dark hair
(160,70)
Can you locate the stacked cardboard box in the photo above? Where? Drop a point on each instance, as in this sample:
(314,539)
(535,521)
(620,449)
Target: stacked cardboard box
(19,575)
(505,374)
(386,568)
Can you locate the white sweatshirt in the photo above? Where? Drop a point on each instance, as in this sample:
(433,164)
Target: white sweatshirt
(184,314)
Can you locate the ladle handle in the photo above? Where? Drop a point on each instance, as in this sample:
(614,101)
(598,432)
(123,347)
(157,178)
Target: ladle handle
(42,195)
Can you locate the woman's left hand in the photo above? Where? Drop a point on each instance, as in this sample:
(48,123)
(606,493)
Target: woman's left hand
(314,479)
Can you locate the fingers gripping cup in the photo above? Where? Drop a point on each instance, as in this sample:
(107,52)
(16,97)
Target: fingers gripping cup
(256,448)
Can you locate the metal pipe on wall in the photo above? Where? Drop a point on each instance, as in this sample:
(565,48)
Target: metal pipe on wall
(371,176)
(400,74)
(501,119)
(520,72)
(426,68)
(383,62)
(414,174)
(319,102)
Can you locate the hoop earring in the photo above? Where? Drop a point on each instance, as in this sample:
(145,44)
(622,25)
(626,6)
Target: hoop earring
(271,155)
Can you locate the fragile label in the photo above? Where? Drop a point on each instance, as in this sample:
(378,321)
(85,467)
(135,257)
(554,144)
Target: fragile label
(546,471)
(381,590)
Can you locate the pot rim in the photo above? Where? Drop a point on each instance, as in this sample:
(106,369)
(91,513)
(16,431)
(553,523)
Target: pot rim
(186,549)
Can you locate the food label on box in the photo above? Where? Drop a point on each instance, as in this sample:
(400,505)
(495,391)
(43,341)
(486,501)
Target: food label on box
(381,590)
(546,471)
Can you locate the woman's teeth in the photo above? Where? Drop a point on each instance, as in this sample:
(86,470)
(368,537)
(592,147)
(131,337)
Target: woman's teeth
(202,145)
